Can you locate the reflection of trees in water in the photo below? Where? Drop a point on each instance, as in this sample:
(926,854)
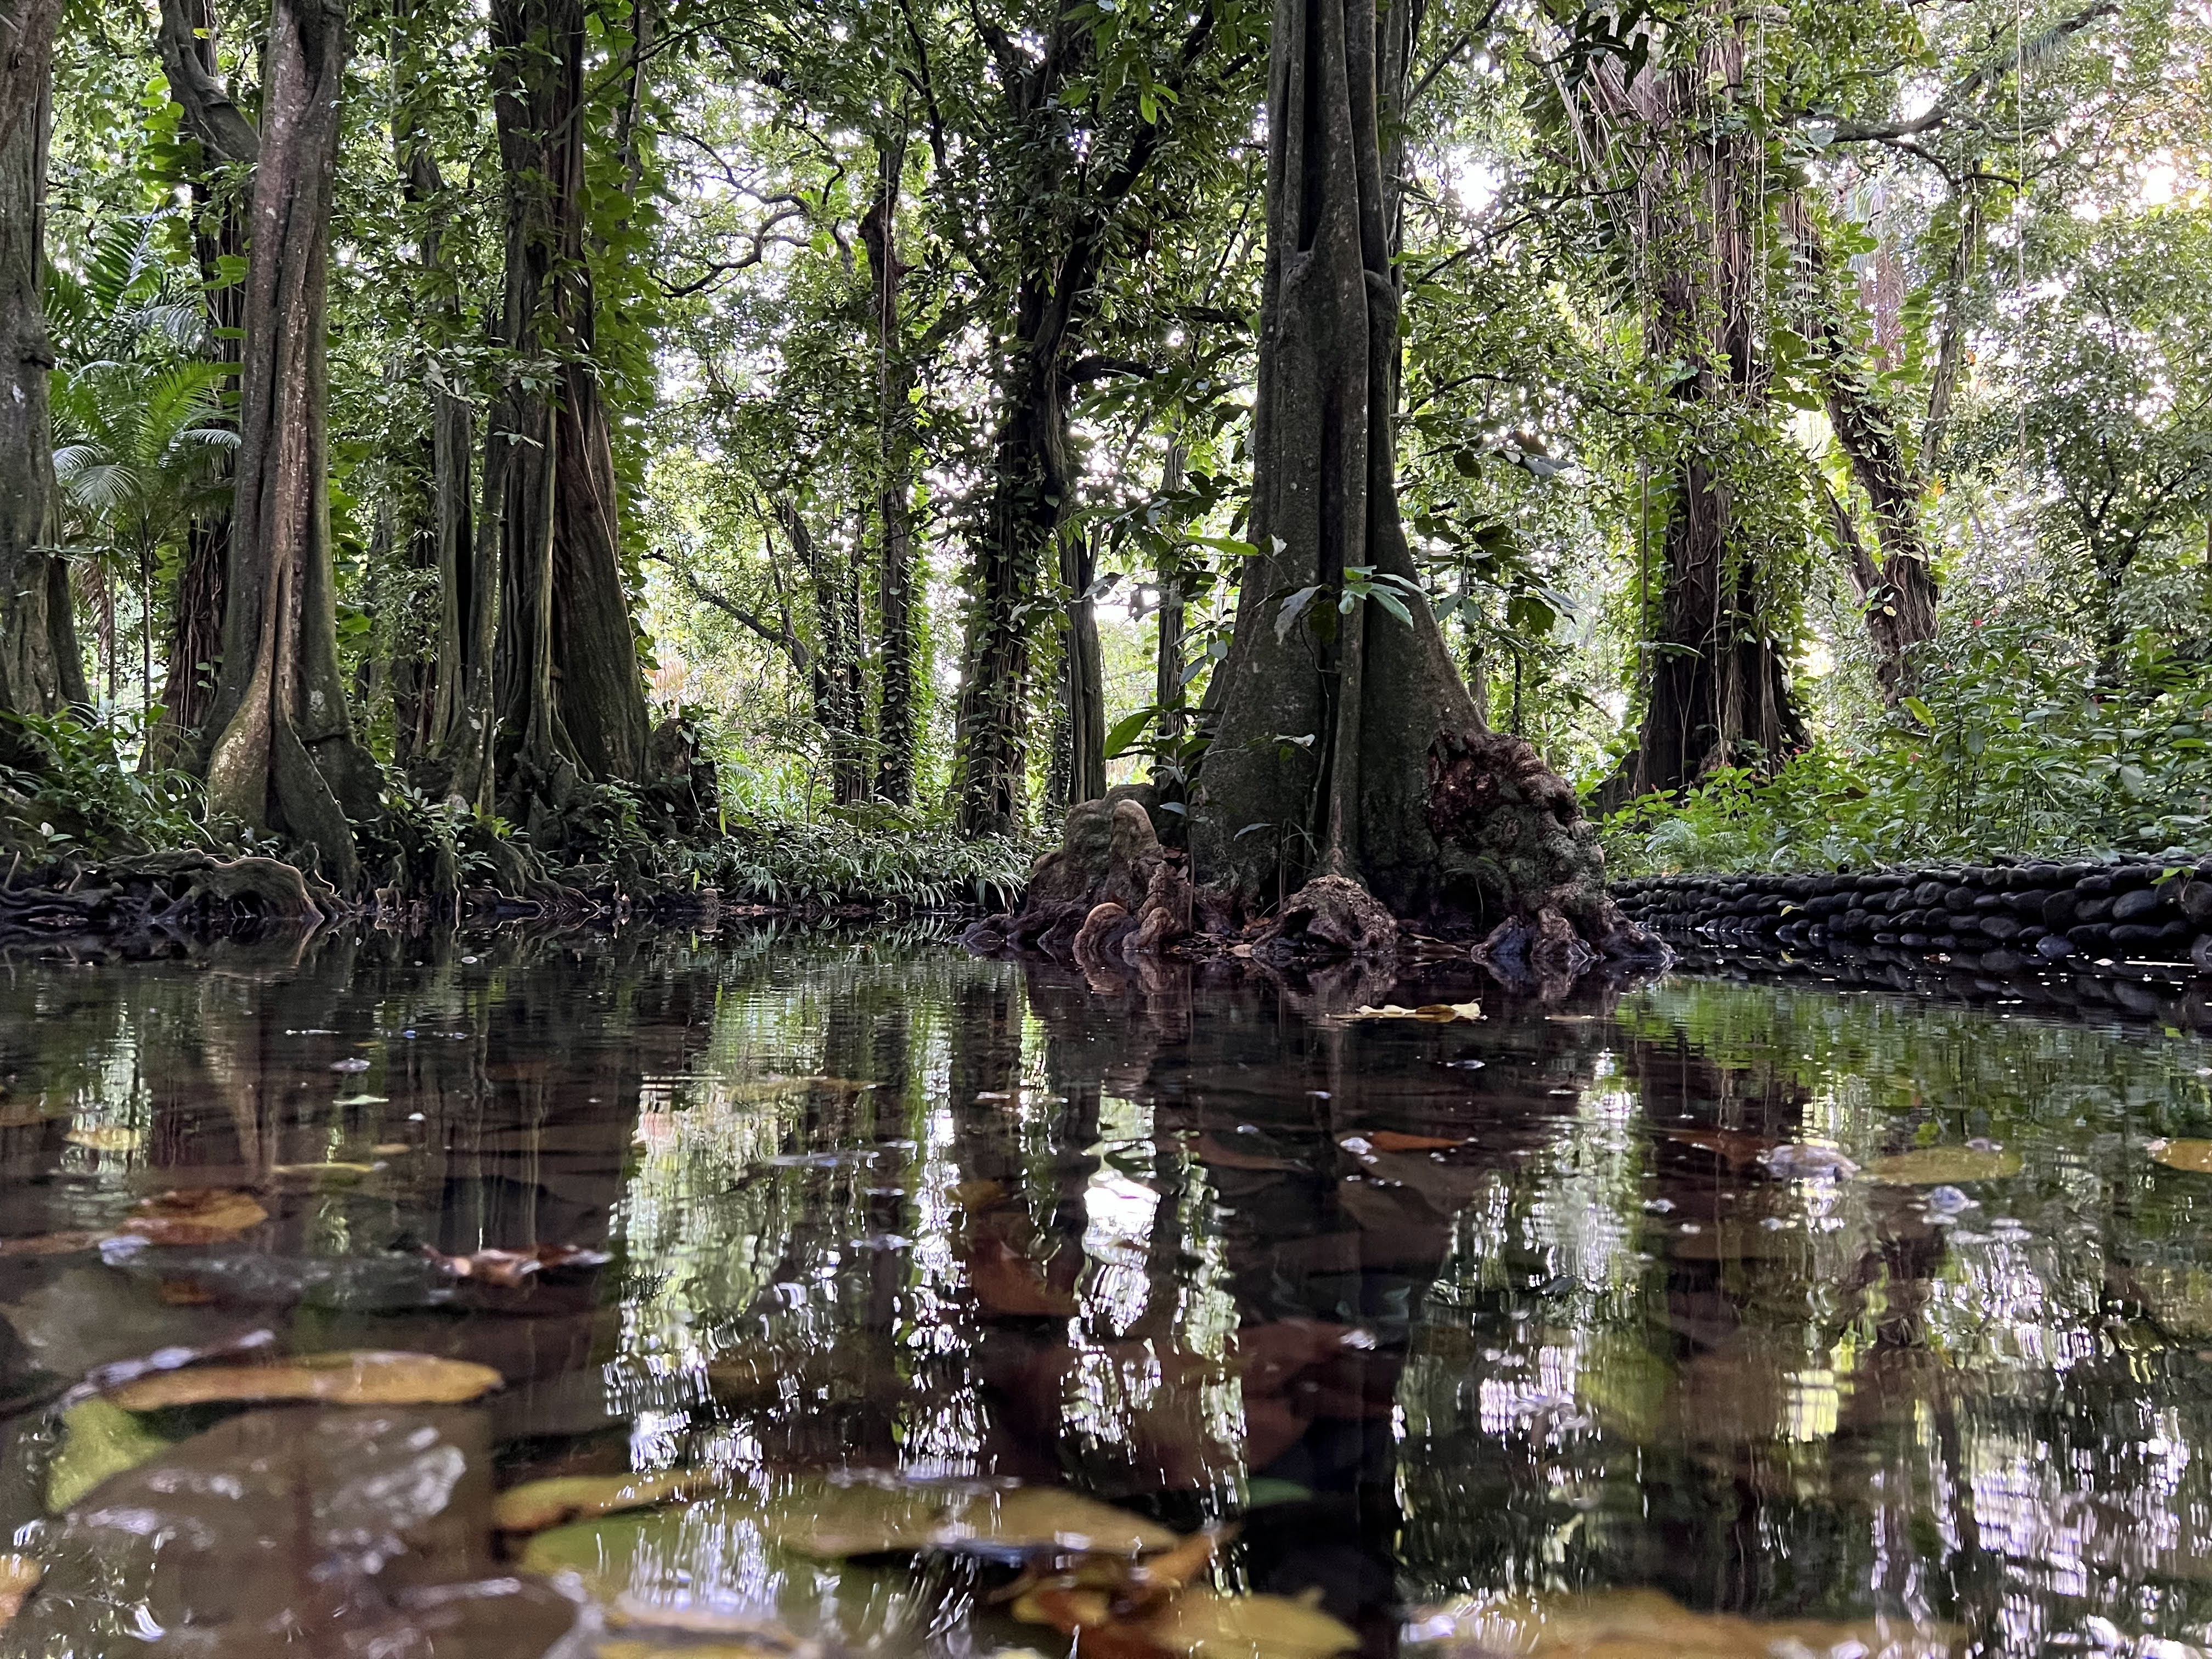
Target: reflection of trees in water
(1820,1397)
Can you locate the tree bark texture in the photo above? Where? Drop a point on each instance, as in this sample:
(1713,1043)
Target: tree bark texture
(220,186)
(569,692)
(34,679)
(897,722)
(1899,603)
(444,530)
(836,674)
(1358,753)
(1083,670)
(285,755)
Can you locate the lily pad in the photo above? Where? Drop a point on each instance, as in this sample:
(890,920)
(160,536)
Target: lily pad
(1942,1166)
(362,1378)
(2194,1156)
(1201,1624)
(98,1439)
(536,1505)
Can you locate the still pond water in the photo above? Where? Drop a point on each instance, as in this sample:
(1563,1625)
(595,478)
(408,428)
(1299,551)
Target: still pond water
(897,1302)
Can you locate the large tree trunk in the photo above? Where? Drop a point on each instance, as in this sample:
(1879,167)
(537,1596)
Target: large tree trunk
(570,696)
(285,755)
(1899,603)
(443,534)
(1083,670)
(1355,751)
(897,725)
(229,150)
(1717,687)
(1031,478)
(35,631)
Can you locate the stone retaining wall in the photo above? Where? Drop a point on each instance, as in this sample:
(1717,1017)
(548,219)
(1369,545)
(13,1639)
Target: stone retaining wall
(1993,918)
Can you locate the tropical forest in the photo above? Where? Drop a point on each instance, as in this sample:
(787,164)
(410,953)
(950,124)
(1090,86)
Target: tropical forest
(1105,828)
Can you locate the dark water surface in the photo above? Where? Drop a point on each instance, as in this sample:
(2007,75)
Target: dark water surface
(1697,1318)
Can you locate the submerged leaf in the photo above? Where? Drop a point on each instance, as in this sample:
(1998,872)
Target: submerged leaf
(1942,1166)
(105,1138)
(509,1269)
(324,1175)
(1006,1282)
(363,1378)
(1390,1140)
(1646,1624)
(52,1243)
(2194,1156)
(205,1215)
(536,1505)
(98,1439)
(19,1577)
(1201,1624)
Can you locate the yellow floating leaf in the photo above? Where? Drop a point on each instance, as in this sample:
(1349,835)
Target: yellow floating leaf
(1201,1624)
(2194,1156)
(105,1138)
(831,1522)
(362,1378)
(536,1505)
(204,1216)
(324,1175)
(19,1577)
(1943,1166)
(1030,1517)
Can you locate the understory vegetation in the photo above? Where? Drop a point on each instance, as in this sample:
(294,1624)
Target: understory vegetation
(802,450)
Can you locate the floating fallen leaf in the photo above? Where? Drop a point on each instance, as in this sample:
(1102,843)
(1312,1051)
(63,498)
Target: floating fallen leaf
(1733,1147)
(362,1378)
(1390,1140)
(390,1148)
(98,1439)
(19,1577)
(363,1100)
(184,1293)
(1222,1155)
(1030,1517)
(1650,1626)
(355,1065)
(536,1505)
(324,1175)
(51,1243)
(105,1138)
(831,1522)
(1436,1013)
(1939,1166)
(203,1216)
(1201,1624)
(1006,1282)
(2194,1156)
(508,1268)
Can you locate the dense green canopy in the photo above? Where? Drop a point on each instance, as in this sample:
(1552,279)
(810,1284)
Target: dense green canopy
(1803,416)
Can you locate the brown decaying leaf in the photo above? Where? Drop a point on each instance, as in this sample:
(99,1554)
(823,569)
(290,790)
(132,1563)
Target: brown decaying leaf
(1436,1013)
(1733,1147)
(52,1243)
(185,1293)
(508,1268)
(1390,1140)
(366,1378)
(978,1195)
(19,1577)
(1007,1283)
(1652,1626)
(2194,1156)
(205,1215)
(1223,1155)
(536,1505)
